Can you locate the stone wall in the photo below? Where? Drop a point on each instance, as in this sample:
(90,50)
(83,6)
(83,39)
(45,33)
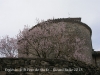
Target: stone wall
(78,43)
(96,57)
(30,66)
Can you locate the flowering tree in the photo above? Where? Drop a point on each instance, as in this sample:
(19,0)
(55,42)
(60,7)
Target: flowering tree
(23,43)
(48,40)
(8,47)
(43,41)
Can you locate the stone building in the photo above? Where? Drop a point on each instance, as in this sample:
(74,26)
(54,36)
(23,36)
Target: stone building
(77,42)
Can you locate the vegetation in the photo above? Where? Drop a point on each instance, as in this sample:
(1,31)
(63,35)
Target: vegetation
(8,47)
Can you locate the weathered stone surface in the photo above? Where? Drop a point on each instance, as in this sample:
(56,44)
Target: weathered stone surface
(78,39)
(46,67)
(75,43)
(96,57)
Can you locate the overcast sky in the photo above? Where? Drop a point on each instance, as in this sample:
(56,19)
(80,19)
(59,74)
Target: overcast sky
(14,14)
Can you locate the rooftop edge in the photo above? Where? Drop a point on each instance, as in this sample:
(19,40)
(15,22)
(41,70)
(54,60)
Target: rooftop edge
(73,20)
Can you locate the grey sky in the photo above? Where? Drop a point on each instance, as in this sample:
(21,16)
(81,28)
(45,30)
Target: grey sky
(14,14)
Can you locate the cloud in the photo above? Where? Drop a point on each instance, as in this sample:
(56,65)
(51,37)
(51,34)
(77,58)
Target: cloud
(14,14)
